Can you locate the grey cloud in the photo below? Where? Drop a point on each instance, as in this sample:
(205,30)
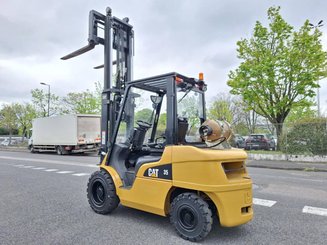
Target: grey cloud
(13,86)
(222,57)
(39,28)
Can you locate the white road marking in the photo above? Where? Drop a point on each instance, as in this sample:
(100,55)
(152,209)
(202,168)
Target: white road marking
(263,202)
(51,161)
(297,174)
(64,172)
(314,210)
(256,201)
(81,174)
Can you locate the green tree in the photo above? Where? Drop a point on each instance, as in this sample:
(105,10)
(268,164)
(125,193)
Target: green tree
(221,109)
(251,119)
(98,92)
(8,119)
(81,103)
(306,136)
(280,68)
(234,111)
(227,107)
(87,102)
(189,108)
(25,114)
(162,124)
(143,115)
(300,113)
(40,103)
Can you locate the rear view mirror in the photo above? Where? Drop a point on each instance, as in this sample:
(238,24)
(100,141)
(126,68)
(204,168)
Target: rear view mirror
(156,99)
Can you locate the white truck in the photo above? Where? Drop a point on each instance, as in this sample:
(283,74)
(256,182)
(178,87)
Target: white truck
(65,134)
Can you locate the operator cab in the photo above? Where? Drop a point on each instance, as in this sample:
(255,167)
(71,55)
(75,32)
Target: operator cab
(155,112)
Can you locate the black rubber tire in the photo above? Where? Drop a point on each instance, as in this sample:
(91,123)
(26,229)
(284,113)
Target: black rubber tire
(213,208)
(59,150)
(31,148)
(101,193)
(191,217)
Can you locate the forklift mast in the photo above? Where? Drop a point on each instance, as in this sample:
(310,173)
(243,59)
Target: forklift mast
(118,40)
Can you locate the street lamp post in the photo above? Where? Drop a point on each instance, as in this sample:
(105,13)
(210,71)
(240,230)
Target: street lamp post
(48,96)
(320,24)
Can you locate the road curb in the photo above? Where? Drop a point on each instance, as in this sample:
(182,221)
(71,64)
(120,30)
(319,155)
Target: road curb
(309,169)
(287,157)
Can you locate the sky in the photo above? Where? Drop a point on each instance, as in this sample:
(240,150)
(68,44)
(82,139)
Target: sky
(186,36)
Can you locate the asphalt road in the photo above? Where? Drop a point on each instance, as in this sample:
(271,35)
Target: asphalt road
(43,201)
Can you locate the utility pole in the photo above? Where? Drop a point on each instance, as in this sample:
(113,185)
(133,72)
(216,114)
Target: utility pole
(48,96)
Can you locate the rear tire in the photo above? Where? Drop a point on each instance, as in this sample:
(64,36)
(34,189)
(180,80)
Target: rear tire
(60,150)
(101,193)
(191,217)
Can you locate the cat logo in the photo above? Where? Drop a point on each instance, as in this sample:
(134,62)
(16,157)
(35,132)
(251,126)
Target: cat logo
(153,172)
(160,172)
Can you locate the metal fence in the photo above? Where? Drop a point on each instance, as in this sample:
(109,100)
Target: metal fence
(297,139)
(6,140)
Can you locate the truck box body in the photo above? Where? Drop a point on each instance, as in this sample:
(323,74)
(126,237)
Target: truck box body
(71,132)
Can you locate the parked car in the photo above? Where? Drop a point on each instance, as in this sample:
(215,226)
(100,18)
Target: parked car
(260,142)
(238,141)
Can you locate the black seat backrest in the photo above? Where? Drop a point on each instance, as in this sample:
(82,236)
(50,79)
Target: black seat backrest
(138,138)
(145,159)
(182,129)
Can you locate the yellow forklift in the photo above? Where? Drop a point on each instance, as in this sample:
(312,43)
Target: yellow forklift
(159,153)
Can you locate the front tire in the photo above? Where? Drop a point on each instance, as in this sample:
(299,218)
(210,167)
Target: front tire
(101,193)
(31,148)
(191,217)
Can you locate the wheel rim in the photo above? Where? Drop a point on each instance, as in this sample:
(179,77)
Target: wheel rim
(187,218)
(98,193)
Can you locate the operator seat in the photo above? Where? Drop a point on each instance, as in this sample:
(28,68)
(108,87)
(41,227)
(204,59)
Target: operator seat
(145,159)
(137,139)
(182,124)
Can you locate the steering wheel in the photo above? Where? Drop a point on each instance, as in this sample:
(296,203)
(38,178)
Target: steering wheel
(143,124)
